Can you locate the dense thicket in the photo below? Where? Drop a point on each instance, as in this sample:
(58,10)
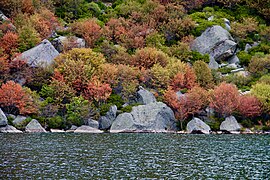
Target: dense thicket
(132,43)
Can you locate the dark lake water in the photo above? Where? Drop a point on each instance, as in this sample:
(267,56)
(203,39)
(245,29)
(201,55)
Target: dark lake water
(134,156)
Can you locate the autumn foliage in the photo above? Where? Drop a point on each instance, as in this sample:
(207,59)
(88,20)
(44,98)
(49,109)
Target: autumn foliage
(249,106)
(97,91)
(132,43)
(89,30)
(147,57)
(9,43)
(14,99)
(225,99)
(184,80)
(187,104)
(44,22)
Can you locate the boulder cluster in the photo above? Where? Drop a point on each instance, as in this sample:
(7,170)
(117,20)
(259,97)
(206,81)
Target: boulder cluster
(151,116)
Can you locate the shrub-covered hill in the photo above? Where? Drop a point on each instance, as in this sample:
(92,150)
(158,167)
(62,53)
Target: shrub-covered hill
(109,49)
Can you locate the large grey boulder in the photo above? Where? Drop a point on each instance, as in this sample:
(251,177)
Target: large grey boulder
(41,55)
(105,122)
(197,126)
(18,120)
(213,63)
(34,126)
(68,42)
(9,129)
(215,41)
(3,118)
(87,129)
(230,124)
(92,123)
(153,117)
(145,97)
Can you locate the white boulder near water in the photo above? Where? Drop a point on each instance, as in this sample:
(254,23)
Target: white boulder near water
(34,126)
(9,129)
(153,117)
(230,125)
(197,126)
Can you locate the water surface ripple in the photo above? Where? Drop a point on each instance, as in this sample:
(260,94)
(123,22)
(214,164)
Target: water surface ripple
(134,156)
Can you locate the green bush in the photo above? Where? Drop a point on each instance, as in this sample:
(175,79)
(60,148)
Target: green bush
(155,40)
(28,37)
(244,58)
(265,79)
(70,10)
(115,99)
(263,47)
(262,92)
(242,82)
(78,110)
(247,123)
(225,70)
(214,125)
(104,108)
(196,56)
(56,122)
(201,19)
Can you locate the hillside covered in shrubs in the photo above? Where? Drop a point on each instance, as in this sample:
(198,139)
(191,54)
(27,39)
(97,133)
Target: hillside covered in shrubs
(105,51)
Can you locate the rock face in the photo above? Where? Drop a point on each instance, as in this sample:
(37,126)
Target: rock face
(197,126)
(68,42)
(233,60)
(215,41)
(105,122)
(3,118)
(145,97)
(92,123)
(34,126)
(9,129)
(230,124)
(87,129)
(40,56)
(213,63)
(18,120)
(154,117)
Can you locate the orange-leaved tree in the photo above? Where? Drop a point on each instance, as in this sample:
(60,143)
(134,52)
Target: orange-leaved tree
(225,99)
(249,106)
(147,57)
(97,91)
(89,30)
(187,104)
(15,99)
(9,43)
(184,80)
